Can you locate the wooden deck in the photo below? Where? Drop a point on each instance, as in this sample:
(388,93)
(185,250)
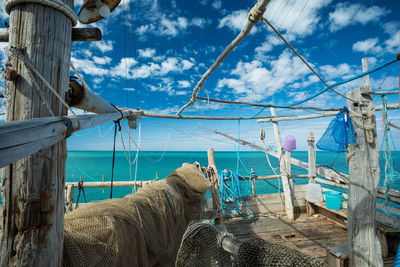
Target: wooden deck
(312,235)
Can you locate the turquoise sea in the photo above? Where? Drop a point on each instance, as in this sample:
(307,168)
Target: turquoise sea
(91,165)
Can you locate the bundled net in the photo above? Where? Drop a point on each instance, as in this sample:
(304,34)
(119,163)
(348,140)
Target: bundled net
(202,245)
(258,252)
(142,229)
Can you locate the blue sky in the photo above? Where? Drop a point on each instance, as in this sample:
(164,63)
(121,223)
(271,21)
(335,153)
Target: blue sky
(154,52)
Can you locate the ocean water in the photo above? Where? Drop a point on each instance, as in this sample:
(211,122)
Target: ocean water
(92,165)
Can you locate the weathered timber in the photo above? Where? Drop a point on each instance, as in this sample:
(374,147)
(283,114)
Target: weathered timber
(364,246)
(78,34)
(80,96)
(33,228)
(323,181)
(214,178)
(265,105)
(107,184)
(287,188)
(260,6)
(320,170)
(394,126)
(311,157)
(315,116)
(382,92)
(19,139)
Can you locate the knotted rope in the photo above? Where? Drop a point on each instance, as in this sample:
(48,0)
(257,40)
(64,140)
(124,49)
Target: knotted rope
(255,14)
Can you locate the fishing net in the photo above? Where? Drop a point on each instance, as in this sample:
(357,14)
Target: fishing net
(141,229)
(339,133)
(203,245)
(258,252)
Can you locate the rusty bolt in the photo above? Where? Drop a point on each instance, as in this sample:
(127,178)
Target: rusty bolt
(10,74)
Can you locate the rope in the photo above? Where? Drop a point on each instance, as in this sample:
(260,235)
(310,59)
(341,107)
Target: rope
(18,52)
(230,193)
(390,173)
(56,4)
(117,123)
(255,14)
(366,125)
(304,61)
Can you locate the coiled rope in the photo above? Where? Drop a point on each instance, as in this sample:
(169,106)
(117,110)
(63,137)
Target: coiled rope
(231,195)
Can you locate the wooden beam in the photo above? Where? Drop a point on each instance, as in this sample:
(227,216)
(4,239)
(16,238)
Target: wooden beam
(364,246)
(315,116)
(394,126)
(33,187)
(311,157)
(107,184)
(80,96)
(287,188)
(19,139)
(214,178)
(320,170)
(265,105)
(78,34)
(382,92)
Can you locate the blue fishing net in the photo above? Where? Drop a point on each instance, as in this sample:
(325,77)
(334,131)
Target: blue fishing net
(339,133)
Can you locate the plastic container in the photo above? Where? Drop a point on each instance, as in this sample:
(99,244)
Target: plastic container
(290,143)
(314,193)
(333,200)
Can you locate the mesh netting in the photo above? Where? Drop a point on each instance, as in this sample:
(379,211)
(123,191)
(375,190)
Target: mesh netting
(142,229)
(339,133)
(258,252)
(202,245)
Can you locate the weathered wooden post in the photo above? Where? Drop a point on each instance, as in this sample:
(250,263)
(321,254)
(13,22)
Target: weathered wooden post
(364,247)
(284,175)
(33,225)
(311,158)
(214,182)
(253,182)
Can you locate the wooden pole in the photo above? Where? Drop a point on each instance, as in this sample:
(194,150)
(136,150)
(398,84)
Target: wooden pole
(214,185)
(283,171)
(69,196)
(253,182)
(364,247)
(78,34)
(311,157)
(33,225)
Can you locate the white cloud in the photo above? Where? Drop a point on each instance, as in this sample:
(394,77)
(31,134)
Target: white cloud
(235,21)
(255,82)
(330,72)
(103,46)
(183,84)
(393,43)
(367,46)
(129,89)
(298,17)
(351,14)
(200,22)
(146,53)
(172,28)
(124,67)
(102,60)
(217,4)
(88,66)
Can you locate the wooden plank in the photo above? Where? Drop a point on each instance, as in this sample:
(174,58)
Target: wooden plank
(108,184)
(283,171)
(311,157)
(214,179)
(78,34)
(364,174)
(19,139)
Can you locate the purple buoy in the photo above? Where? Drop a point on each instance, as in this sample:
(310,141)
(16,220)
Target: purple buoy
(290,143)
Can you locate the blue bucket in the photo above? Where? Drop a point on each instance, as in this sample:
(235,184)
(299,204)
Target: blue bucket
(333,200)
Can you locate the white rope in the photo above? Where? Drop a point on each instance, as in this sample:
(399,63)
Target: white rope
(18,53)
(56,4)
